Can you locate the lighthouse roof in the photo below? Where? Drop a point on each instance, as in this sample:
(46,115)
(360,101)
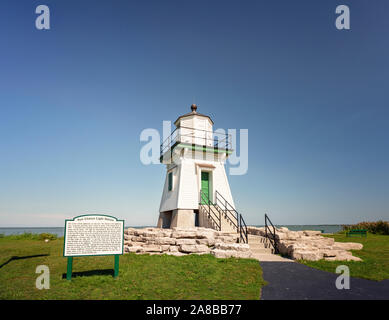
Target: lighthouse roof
(194,112)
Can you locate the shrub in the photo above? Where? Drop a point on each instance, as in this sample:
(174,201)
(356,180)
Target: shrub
(379,227)
(44,236)
(31,236)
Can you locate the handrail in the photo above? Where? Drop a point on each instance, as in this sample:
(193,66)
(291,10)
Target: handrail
(240,224)
(243,230)
(272,239)
(209,204)
(207,137)
(234,221)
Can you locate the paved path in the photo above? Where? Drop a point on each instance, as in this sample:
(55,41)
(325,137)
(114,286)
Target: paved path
(295,281)
(262,250)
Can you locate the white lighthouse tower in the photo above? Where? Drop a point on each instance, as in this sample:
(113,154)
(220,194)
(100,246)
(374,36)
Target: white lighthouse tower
(196,190)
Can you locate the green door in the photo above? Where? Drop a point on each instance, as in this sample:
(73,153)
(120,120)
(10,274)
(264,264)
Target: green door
(205,187)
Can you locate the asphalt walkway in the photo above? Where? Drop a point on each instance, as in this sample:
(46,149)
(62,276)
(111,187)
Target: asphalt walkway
(295,281)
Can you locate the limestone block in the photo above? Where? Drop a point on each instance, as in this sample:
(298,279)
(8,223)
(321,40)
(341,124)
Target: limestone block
(185,241)
(177,254)
(225,239)
(165,240)
(307,255)
(218,253)
(207,242)
(194,248)
(135,244)
(205,234)
(173,249)
(130,231)
(347,246)
(181,234)
(134,249)
(233,246)
(311,232)
(165,247)
(152,248)
(138,239)
(329,253)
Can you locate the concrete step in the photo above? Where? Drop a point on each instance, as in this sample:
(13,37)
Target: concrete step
(261,250)
(271,257)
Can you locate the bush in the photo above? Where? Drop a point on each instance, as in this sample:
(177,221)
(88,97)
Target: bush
(50,236)
(31,236)
(379,227)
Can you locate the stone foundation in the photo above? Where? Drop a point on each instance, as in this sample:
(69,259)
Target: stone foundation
(310,245)
(179,242)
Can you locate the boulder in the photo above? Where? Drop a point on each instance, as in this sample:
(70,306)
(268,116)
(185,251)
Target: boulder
(173,249)
(348,246)
(218,253)
(233,246)
(207,242)
(194,248)
(181,234)
(185,241)
(152,248)
(311,232)
(165,240)
(134,249)
(307,255)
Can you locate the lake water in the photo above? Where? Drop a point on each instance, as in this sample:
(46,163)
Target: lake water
(59,231)
(325,228)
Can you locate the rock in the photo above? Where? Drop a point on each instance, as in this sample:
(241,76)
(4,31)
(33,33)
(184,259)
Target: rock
(225,239)
(165,240)
(152,248)
(233,246)
(329,253)
(307,255)
(348,246)
(134,249)
(194,248)
(218,253)
(130,231)
(138,239)
(180,234)
(177,254)
(205,234)
(207,242)
(185,241)
(173,249)
(311,232)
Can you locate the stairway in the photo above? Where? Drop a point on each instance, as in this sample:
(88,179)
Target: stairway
(221,216)
(212,216)
(263,250)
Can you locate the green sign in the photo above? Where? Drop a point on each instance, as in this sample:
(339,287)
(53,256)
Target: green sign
(93,235)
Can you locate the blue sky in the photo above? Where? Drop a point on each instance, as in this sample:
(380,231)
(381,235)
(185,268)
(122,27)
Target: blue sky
(74,100)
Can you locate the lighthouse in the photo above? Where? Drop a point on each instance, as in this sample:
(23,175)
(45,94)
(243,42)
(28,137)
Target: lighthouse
(196,191)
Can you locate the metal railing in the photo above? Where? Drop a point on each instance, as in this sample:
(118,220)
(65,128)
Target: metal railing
(228,210)
(209,208)
(195,136)
(233,216)
(243,230)
(269,234)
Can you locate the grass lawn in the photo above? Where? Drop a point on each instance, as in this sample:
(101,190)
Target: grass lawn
(140,276)
(375,256)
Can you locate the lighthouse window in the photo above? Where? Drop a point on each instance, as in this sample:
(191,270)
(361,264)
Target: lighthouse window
(170,181)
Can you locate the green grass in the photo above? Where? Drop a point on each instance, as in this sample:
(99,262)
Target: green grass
(140,276)
(375,256)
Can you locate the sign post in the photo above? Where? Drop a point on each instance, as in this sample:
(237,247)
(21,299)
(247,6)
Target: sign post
(93,235)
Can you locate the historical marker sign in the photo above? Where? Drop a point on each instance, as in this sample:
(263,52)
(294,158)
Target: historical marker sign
(93,235)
